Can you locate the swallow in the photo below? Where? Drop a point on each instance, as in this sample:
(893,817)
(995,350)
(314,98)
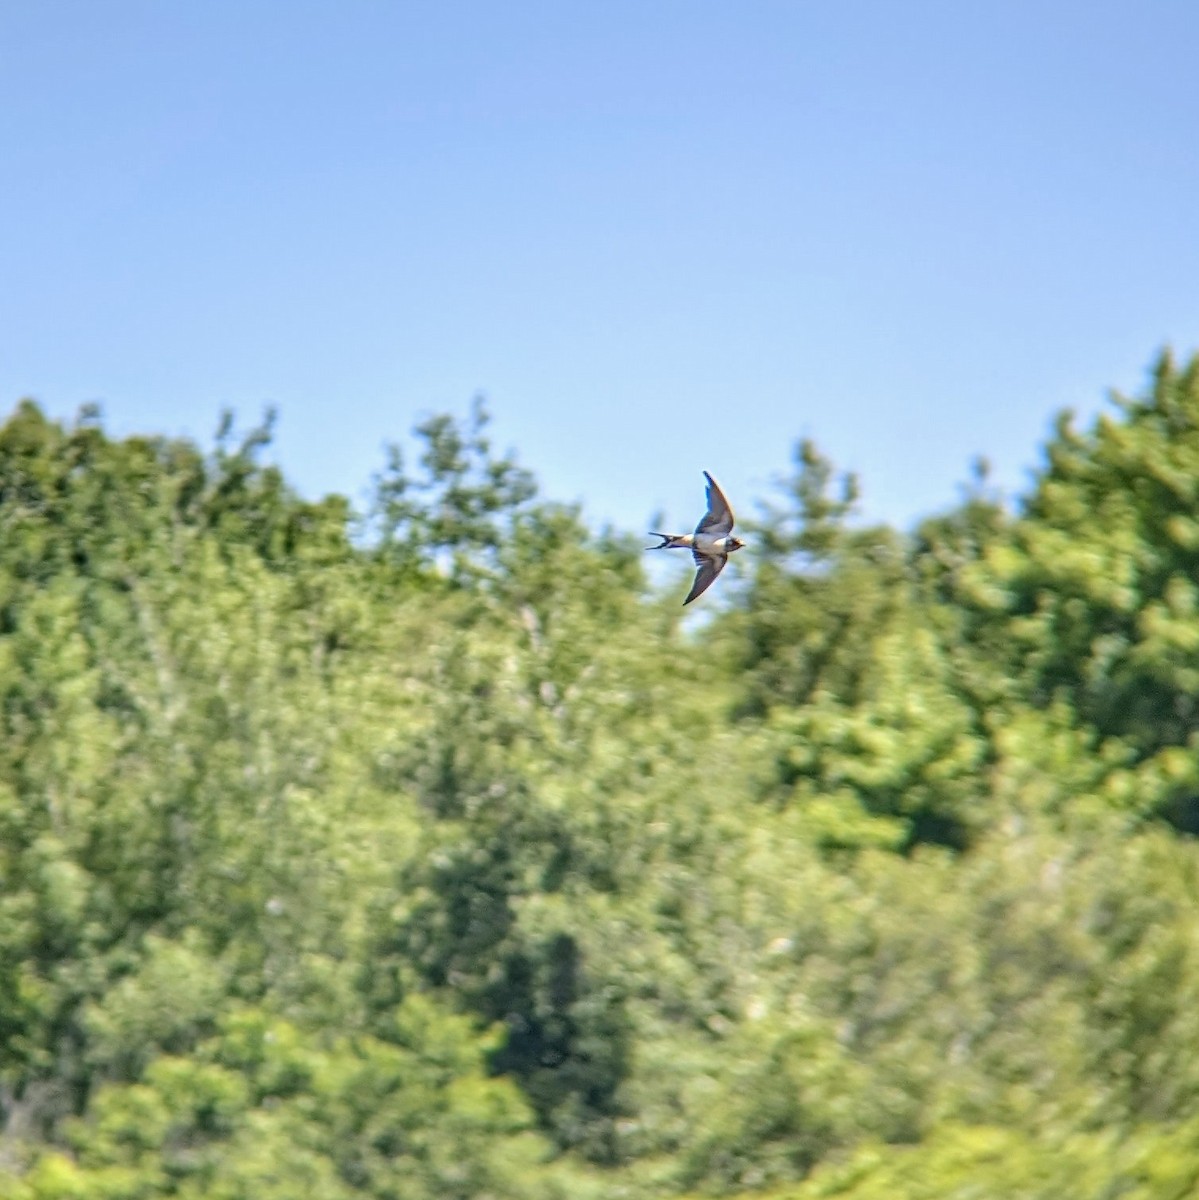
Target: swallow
(710,544)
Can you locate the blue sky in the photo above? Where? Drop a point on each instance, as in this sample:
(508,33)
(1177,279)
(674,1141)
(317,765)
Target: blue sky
(658,236)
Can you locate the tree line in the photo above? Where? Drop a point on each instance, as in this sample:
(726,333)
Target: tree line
(367,854)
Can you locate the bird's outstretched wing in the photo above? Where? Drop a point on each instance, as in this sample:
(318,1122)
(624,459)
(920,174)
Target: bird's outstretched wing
(719,517)
(708,567)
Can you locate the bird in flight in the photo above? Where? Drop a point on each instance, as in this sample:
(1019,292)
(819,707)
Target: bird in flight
(710,544)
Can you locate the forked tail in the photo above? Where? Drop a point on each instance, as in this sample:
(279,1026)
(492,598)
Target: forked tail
(670,541)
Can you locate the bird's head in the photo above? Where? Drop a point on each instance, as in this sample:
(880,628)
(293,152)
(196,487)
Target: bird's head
(735,544)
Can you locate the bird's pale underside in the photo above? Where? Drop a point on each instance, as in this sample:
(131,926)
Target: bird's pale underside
(710,544)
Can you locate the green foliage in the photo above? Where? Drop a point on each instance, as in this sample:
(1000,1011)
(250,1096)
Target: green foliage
(455,513)
(989,1163)
(422,854)
(264,1109)
(847,656)
(1093,591)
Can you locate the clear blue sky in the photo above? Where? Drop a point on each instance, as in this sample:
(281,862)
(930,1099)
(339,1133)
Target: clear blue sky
(658,236)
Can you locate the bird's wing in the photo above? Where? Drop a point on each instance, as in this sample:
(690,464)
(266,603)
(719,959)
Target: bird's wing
(709,567)
(719,517)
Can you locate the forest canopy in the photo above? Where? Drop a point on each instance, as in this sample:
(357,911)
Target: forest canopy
(415,852)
